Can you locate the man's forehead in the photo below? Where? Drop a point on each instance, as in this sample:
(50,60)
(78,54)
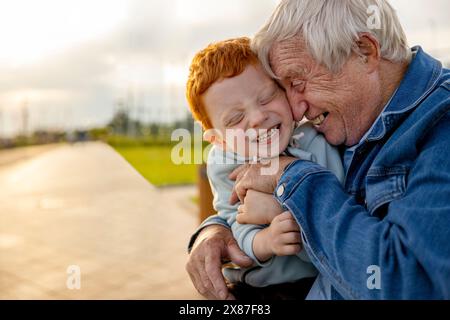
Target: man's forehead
(283,54)
(294,44)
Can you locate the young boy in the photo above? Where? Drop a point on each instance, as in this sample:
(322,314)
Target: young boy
(229,92)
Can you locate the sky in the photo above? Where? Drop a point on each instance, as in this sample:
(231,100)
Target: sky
(69,64)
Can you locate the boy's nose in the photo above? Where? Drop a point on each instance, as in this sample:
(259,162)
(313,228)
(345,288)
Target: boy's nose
(257,118)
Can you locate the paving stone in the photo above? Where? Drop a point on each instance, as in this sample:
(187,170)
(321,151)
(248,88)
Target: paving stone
(84,205)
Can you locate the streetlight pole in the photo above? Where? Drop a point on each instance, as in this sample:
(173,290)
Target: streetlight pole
(2,130)
(25,117)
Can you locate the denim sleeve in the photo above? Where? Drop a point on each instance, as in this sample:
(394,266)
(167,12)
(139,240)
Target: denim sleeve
(409,245)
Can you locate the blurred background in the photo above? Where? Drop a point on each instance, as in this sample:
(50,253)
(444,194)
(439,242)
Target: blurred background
(88,88)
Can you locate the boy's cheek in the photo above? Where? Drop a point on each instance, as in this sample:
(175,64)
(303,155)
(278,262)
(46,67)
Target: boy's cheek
(242,147)
(237,141)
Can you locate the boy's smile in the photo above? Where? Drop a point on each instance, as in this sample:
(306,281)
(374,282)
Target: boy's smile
(253,104)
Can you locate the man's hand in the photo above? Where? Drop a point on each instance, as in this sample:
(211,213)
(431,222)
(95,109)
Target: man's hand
(250,176)
(258,208)
(213,245)
(281,238)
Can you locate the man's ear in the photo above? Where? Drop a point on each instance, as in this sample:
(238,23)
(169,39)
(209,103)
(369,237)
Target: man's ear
(213,136)
(368,48)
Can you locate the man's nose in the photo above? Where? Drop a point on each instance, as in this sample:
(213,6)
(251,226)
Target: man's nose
(298,103)
(294,95)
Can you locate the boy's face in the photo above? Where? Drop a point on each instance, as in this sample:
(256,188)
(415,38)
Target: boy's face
(251,100)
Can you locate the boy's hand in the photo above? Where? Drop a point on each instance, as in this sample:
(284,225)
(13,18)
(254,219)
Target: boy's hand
(281,238)
(258,208)
(284,235)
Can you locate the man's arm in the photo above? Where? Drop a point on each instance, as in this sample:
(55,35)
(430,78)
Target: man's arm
(210,221)
(408,247)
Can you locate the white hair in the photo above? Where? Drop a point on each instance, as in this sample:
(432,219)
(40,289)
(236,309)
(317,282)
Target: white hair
(330,29)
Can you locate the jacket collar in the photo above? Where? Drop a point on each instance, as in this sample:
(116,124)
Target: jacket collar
(420,79)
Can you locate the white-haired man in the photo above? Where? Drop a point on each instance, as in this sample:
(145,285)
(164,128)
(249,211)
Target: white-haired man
(384,235)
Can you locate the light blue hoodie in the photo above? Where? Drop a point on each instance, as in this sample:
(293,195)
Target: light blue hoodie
(306,144)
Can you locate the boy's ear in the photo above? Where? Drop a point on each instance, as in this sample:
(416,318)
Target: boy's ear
(213,136)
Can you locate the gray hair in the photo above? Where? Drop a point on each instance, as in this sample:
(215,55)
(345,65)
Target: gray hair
(330,29)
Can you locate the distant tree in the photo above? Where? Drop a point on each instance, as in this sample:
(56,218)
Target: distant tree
(186,123)
(120,122)
(98,133)
(154,129)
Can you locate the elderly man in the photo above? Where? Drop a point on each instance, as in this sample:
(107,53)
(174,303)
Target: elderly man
(384,234)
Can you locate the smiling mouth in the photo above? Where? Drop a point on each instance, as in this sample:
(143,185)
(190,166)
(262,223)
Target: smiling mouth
(268,135)
(320,119)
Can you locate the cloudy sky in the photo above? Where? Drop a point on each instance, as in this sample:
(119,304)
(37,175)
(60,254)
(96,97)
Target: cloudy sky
(67,64)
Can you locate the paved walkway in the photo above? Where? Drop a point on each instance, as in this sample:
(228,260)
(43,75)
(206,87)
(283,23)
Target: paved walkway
(84,205)
(10,156)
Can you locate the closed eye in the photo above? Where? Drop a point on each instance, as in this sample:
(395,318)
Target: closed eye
(298,84)
(268,99)
(235,120)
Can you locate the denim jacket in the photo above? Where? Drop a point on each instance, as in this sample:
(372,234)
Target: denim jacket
(386,233)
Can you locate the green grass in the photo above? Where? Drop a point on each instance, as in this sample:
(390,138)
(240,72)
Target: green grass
(155,165)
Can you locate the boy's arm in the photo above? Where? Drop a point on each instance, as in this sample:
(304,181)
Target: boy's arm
(221,187)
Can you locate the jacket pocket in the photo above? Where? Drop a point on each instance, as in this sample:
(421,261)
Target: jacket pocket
(384,185)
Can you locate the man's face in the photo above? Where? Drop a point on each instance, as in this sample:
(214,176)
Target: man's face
(251,100)
(343,106)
